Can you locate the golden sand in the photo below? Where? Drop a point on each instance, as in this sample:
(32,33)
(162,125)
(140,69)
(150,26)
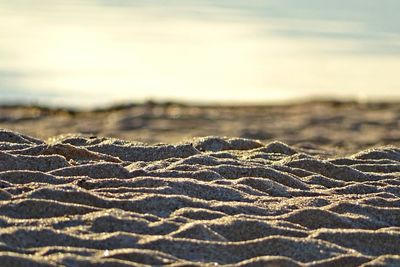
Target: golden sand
(90,201)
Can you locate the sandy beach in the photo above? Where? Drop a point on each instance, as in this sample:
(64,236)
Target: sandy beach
(341,126)
(311,184)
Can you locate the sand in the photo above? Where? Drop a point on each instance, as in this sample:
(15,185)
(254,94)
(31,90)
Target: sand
(349,126)
(80,200)
(77,194)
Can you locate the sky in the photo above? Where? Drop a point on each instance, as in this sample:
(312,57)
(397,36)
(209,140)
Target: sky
(94,52)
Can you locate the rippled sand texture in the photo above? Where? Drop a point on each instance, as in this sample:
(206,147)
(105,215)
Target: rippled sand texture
(348,126)
(82,201)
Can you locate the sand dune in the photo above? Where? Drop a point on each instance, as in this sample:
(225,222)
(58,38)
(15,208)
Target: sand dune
(83,200)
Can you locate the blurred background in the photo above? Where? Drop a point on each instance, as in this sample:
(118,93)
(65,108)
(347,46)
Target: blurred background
(90,53)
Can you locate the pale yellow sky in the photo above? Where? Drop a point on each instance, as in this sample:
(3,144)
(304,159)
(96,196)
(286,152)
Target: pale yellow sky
(114,53)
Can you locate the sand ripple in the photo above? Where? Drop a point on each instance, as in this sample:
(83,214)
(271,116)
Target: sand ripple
(83,201)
